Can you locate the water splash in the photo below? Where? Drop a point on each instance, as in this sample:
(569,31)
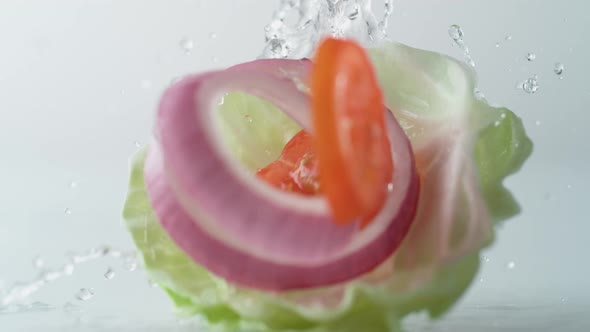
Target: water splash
(456,33)
(315,19)
(20,291)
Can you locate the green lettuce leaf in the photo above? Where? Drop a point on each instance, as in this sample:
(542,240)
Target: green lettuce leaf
(431,95)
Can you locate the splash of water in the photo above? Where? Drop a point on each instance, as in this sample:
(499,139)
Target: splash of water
(298,25)
(20,291)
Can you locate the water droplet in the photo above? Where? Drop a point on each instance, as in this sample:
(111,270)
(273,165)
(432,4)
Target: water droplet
(67,211)
(73,184)
(558,68)
(152,284)
(85,294)
(130,263)
(248,118)
(390,187)
(481,280)
(538,123)
(508,38)
(503,115)
(278,48)
(496,123)
(569,186)
(212,35)
(531,57)
(354,14)
(456,32)
(215,59)
(497,45)
(187,45)
(563,300)
(146,84)
(516,145)
(511,265)
(530,85)
(486,259)
(137,144)
(109,274)
(221,100)
(38,262)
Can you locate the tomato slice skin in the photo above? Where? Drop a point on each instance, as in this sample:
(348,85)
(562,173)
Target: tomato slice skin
(348,114)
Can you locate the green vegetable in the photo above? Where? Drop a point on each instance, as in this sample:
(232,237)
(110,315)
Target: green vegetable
(430,94)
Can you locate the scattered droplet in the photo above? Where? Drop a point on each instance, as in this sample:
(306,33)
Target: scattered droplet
(511,265)
(497,45)
(530,85)
(212,35)
(486,259)
(481,279)
(277,48)
(390,187)
(73,184)
(137,144)
(109,274)
(503,115)
(152,284)
(508,38)
(569,186)
(67,211)
(130,263)
(496,123)
(531,56)
(558,68)
(537,123)
(354,14)
(38,262)
(215,59)
(562,300)
(85,294)
(456,32)
(187,45)
(248,118)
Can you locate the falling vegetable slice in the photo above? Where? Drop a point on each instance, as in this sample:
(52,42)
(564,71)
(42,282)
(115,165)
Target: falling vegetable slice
(239,227)
(355,160)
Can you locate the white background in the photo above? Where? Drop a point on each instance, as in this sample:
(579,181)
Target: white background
(79,81)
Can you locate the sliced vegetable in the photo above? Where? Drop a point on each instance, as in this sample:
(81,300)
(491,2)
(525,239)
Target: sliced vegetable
(242,229)
(355,163)
(296,170)
(426,90)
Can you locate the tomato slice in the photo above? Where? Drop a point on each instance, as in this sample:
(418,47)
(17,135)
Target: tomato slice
(350,137)
(296,170)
